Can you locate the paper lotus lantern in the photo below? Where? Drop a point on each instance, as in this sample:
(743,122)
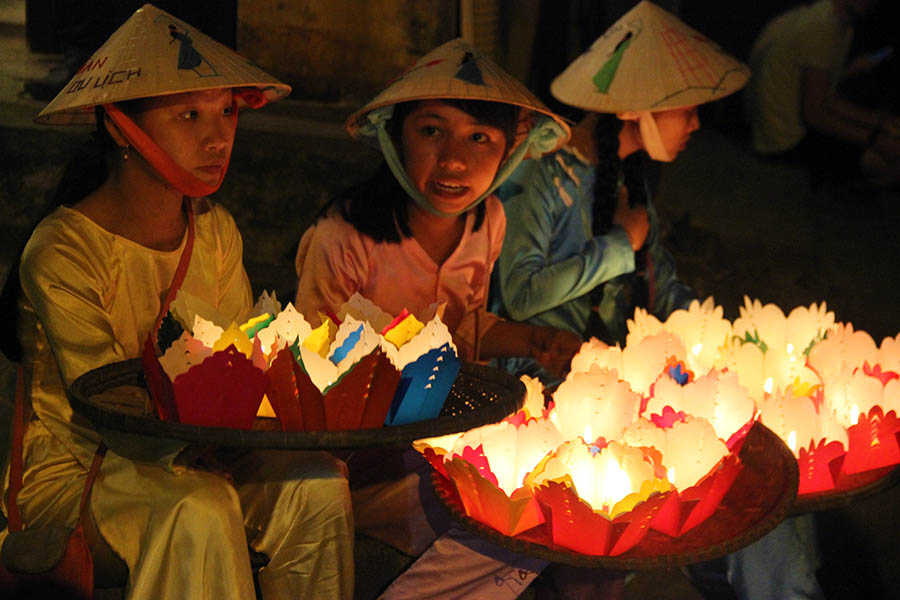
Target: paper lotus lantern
(591,495)
(690,447)
(594,404)
(595,352)
(349,388)
(717,397)
(769,350)
(610,480)
(644,362)
(704,332)
(488,466)
(857,374)
(511,451)
(797,420)
(219,384)
(861,395)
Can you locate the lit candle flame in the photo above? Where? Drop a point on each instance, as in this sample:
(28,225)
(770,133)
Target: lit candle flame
(790,348)
(670,474)
(588,437)
(854,414)
(583,478)
(792,441)
(697,349)
(767,386)
(616,485)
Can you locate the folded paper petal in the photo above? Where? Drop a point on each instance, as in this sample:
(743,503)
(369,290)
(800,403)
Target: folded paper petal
(225,390)
(282,392)
(709,492)
(819,466)
(485,502)
(873,442)
(424,385)
(312,403)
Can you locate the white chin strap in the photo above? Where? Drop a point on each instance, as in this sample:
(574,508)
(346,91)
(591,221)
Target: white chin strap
(543,137)
(653,143)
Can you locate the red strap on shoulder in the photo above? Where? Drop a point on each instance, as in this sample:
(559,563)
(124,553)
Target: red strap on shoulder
(180,270)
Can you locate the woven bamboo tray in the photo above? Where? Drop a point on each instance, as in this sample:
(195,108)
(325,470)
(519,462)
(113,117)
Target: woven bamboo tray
(480,395)
(760,498)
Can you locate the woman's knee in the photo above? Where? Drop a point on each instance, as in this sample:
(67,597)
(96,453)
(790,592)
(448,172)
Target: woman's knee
(208,499)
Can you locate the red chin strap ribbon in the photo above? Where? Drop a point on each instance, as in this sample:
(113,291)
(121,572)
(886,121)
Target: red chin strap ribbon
(167,168)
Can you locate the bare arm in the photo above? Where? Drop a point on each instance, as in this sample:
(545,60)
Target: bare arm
(553,348)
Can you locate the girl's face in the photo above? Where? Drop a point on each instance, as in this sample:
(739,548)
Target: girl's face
(196,130)
(675,128)
(449,156)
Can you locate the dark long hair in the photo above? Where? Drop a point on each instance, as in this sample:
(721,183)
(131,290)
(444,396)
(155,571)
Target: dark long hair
(374,206)
(609,168)
(86,171)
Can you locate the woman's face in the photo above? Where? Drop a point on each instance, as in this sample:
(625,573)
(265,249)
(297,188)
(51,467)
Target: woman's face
(196,130)
(675,128)
(449,156)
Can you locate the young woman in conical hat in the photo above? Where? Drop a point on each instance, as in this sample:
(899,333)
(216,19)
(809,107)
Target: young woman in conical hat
(94,276)
(426,229)
(582,247)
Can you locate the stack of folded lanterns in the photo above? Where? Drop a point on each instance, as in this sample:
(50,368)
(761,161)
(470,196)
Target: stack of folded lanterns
(360,369)
(648,437)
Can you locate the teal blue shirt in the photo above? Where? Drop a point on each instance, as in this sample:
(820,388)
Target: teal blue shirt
(551,261)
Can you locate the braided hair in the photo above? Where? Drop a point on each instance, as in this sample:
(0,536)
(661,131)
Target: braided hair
(611,170)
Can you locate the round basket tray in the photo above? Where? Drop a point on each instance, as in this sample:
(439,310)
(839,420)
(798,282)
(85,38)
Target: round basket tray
(849,489)
(480,395)
(760,498)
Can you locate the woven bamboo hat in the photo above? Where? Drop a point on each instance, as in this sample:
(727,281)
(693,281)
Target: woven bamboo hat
(649,60)
(154,54)
(454,70)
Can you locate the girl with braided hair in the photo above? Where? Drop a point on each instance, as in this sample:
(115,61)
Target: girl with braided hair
(582,248)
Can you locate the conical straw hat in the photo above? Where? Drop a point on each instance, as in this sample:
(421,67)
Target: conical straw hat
(154,54)
(649,60)
(454,70)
